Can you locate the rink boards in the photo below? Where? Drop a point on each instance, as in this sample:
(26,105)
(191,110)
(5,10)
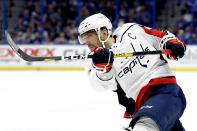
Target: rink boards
(10,61)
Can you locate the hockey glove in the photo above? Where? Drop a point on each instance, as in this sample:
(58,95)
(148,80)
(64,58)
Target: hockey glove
(102,59)
(177,46)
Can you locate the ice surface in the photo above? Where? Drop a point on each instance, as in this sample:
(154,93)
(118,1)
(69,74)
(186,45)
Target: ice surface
(64,101)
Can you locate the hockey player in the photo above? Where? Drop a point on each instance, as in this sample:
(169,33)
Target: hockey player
(145,85)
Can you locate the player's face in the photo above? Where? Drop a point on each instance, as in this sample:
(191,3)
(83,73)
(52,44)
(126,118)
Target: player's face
(91,40)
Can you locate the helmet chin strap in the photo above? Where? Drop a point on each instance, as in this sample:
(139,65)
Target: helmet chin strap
(103,43)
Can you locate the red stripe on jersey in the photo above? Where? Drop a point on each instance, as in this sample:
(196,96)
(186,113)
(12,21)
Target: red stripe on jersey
(145,92)
(154,32)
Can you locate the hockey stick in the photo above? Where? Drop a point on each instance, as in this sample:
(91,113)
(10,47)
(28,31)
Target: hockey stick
(29,58)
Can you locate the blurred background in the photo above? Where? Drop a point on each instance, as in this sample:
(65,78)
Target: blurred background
(56,21)
(57,100)
(49,27)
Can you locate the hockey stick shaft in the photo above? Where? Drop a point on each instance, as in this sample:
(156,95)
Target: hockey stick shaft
(129,54)
(27,57)
(142,53)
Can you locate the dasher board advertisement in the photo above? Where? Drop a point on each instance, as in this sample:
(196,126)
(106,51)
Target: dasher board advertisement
(10,61)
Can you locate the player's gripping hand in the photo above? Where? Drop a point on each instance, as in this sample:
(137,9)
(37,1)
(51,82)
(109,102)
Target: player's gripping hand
(102,59)
(177,46)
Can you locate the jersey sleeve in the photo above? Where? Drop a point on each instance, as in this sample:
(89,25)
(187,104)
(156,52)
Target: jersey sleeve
(95,82)
(99,84)
(155,36)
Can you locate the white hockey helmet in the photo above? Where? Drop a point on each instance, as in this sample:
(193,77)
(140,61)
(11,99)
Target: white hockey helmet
(95,22)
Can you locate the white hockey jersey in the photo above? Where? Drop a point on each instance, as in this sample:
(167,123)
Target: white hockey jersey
(133,73)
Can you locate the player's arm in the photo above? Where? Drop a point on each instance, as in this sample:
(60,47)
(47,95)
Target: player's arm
(168,41)
(102,73)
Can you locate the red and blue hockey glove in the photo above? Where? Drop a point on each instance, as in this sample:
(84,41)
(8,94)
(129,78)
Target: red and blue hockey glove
(102,59)
(177,46)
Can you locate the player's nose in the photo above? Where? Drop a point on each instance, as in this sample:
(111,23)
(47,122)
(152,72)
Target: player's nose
(88,42)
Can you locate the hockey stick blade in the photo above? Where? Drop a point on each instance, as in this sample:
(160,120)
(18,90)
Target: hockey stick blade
(29,58)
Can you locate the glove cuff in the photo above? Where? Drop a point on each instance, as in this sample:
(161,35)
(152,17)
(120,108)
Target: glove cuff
(105,76)
(166,38)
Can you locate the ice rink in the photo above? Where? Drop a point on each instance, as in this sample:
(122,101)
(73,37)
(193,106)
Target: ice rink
(64,101)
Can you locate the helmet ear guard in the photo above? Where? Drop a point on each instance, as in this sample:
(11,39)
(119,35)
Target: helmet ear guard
(99,36)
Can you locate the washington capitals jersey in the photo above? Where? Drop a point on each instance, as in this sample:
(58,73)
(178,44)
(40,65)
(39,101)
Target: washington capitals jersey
(133,73)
